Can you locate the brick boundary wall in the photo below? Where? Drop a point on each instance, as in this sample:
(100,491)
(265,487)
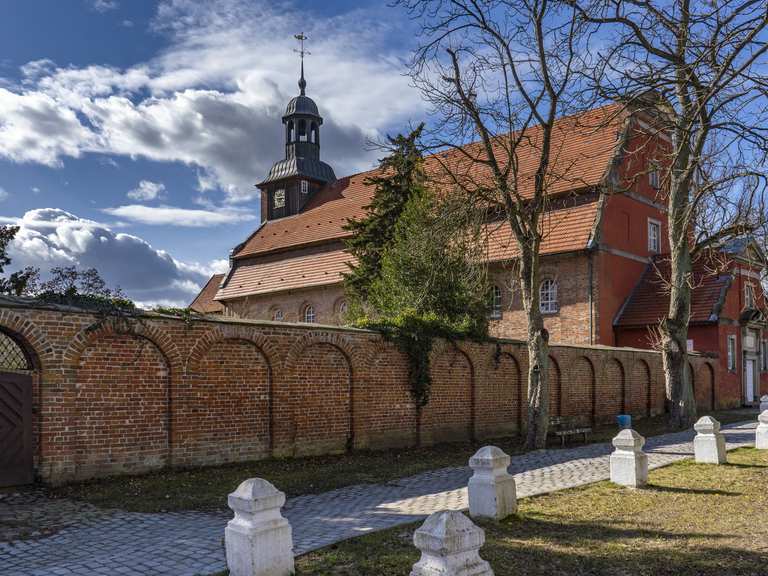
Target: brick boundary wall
(116,396)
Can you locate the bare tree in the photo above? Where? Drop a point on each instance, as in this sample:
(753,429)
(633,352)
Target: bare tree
(700,68)
(498,75)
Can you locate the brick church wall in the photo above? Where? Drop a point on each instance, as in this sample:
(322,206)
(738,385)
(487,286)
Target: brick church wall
(571,323)
(121,396)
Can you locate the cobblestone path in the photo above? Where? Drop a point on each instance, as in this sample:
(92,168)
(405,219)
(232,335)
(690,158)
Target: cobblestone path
(191,543)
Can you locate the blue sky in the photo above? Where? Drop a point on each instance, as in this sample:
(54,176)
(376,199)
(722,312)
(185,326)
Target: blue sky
(132,131)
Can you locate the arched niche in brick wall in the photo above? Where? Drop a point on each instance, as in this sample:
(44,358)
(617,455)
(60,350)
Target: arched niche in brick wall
(702,386)
(223,413)
(555,388)
(580,392)
(265,345)
(611,392)
(450,413)
(141,328)
(320,386)
(121,405)
(386,413)
(641,389)
(358,356)
(707,392)
(500,399)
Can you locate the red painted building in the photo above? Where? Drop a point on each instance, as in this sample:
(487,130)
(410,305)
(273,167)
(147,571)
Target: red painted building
(727,317)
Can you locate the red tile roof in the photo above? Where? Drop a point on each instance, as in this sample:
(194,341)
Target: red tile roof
(582,152)
(648,304)
(582,149)
(321,220)
(293,271)
(204,302)
(564,230)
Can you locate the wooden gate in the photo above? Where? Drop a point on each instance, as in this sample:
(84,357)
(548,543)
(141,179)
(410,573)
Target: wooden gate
(15,429)
(16,448)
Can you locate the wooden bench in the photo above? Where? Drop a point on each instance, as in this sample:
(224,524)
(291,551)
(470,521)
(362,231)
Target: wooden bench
(564,427)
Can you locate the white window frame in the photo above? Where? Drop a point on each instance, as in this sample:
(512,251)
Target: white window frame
(548,299)
(279,200)
(731,351)
(277,315)
(749,296)
(654,242)
(654,178)
(308,315)
(764,355)
(305,187)
(496,303)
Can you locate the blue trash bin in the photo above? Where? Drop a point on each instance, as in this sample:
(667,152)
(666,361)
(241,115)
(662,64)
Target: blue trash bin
(624,421)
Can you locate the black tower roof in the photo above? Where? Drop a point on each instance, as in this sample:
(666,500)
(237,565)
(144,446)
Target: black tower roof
(302,151)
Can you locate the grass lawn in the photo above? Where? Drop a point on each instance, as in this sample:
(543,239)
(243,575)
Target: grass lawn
(207,488)
(691,520)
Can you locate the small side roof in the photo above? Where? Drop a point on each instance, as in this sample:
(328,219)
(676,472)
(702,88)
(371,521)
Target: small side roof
(294,271)
(649,303)
(204,302)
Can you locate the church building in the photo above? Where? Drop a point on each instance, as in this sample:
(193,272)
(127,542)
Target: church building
(604,229)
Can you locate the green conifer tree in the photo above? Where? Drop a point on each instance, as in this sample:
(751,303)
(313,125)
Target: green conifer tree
(401,176)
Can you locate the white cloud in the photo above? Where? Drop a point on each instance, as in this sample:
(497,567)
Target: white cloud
(3,194)
(105,5)
(147,190)
(50,237)
(173,216)
(34,127)
(213,99)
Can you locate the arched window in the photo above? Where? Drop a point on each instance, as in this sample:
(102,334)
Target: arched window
(277,315)
(302,130)
(12,357)
(495,302)
(291,135)
(314,133)
(343,308)
(548,297)
(309,314)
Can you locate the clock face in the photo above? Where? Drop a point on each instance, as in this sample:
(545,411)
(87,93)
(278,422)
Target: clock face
(279,198)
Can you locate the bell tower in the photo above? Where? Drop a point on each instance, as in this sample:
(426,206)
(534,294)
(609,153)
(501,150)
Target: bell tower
(293,180)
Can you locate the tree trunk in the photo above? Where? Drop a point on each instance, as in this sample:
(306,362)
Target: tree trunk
(681,403)
(538,389)
(538,352)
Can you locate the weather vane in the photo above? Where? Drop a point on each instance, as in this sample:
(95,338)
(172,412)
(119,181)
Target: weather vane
(301,37)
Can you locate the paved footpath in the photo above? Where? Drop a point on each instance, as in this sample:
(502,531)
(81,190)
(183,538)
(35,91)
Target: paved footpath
(191,543)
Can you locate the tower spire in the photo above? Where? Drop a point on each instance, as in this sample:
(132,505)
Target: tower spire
(301,37)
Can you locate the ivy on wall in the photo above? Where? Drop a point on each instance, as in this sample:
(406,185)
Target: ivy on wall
(414,335)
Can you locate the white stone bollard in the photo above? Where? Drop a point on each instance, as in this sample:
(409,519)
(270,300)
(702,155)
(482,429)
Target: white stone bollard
(629,464)
(450,546)
(709,444)
(761,434)
(258,540)
(763,403)
(491,489)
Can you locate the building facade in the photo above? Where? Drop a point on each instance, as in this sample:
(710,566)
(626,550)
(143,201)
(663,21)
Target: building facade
(727,316)
(605,225)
